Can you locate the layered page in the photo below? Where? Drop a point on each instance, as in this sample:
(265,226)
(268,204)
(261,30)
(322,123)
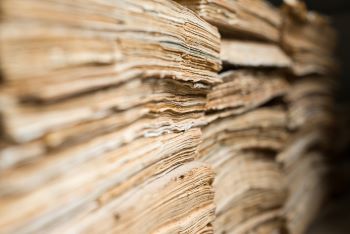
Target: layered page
(162,116)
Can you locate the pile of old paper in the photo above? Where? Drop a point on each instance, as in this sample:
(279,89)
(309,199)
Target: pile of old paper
(310,42)
(156,116)
(247,124)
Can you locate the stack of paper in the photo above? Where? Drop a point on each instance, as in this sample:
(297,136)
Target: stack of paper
(309,40)
(240,18)
(101,103)
(308,189)
(161,116)
(249,185)
(242,138)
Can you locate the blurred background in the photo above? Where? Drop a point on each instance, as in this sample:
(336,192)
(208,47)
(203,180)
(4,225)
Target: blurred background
(335,217)
(339,11)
